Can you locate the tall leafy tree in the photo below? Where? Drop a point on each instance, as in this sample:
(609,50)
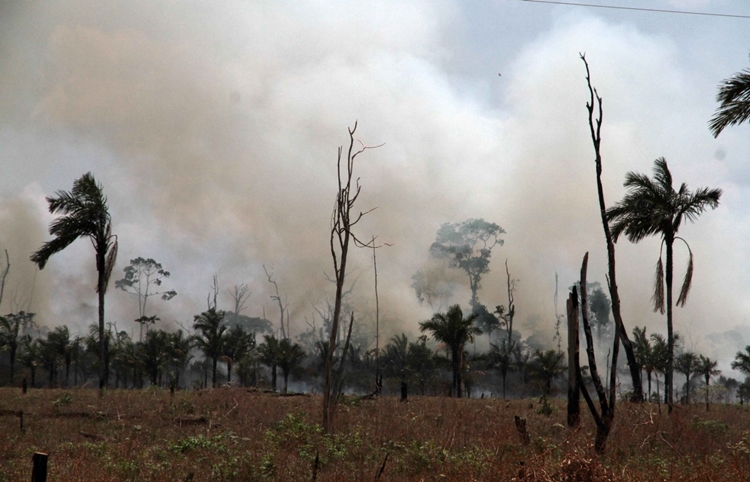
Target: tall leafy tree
(707,368)
(653,207)
(210,337)
(734,102)
(455,332)
(83,213)
(468,246)
(143,277)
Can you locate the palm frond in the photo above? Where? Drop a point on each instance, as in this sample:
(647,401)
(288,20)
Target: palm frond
(734,99)
(687,282)
(658,297)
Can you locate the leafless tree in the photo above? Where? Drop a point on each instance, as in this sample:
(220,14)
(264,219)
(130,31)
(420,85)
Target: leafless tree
(342,222)
(595,126)
(282,306)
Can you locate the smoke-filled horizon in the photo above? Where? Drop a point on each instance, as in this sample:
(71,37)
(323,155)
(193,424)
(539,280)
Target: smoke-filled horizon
(214,130)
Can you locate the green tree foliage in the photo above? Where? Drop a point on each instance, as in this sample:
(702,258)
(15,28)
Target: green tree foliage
(468,246)
(454,331)
(30,355)
(652,207)
(707,368)
(289,357)
(734,102)
(11,329)
(687,364)
(546,366)
(645,353)
(141,277)
(408,361)
(83,214)
(268,354)
(210,336)
(237,344)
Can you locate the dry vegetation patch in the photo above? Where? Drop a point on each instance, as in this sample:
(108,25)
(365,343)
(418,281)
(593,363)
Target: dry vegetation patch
(235,434)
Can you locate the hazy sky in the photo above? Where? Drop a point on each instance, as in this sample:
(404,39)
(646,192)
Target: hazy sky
(213,128)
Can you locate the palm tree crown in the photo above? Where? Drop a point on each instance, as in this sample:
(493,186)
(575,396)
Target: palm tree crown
(734,99)
(84,214)
(455,331)
(653,207)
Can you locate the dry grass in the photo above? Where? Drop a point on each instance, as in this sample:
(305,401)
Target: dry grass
(234,434)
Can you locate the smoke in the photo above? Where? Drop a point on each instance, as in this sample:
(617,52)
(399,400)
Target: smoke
(214,129)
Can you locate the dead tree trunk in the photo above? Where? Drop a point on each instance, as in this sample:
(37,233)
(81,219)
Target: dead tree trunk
(342,222)
(574,397)
(605,419)
(635,369)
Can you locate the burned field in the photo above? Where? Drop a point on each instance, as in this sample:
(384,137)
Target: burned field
(236,434)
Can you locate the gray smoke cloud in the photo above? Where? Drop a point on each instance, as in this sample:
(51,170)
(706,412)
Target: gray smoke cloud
(214,128)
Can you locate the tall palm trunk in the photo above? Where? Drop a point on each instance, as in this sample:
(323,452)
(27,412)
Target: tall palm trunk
(669,376)
(456,355)
(100,268)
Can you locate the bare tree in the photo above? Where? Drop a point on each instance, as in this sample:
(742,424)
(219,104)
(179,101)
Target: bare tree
(277,299)
(595,126)
(342,222)
(240,293)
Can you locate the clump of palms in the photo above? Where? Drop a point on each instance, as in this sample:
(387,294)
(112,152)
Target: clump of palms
(210,336)
(455,332)
(84,214)
(653,207)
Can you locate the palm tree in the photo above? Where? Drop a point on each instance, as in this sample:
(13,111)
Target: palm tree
(734,96)
(652,207)
(236,344)
(30,355)
(154,354)
(211,337)
(707,368)
(455,331)
(178,350)
(645,354)
(84,214)
(742,361)
(269,355)
(290,355)
(687,364)
(660,356)
(548,365)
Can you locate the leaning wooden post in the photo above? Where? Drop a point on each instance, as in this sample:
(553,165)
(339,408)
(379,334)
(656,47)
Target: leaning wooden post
(39,470)
(574,393)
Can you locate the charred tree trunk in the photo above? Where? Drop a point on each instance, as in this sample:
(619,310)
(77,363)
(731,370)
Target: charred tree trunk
(574,398)
(605,419)
(635,371)
(342,222)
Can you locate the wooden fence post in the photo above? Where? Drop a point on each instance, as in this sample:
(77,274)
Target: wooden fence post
(39,471)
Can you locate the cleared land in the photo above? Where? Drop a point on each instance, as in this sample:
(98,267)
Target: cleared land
(235,434)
